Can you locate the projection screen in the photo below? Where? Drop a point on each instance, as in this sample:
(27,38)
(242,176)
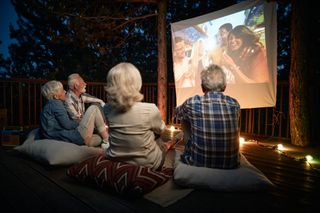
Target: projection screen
(242,39)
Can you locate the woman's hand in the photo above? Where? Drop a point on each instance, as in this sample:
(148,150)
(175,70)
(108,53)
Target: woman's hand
(228,62)
(168,145)
(246,53)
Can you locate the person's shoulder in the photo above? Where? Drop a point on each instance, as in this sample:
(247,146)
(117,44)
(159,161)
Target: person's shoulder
(196,99)
(69,92)
(193,99)
(53,104)
(232,101)
(57,102)
(146,107)
(69,96)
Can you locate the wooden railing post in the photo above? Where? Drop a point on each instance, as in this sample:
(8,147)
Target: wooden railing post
(162,60)
(21,104)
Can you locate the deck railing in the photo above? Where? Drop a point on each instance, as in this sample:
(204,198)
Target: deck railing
(21,103)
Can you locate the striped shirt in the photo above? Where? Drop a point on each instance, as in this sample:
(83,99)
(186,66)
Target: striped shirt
(214,130)
(76,105)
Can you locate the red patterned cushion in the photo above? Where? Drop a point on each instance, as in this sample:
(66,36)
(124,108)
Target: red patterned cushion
(122,178)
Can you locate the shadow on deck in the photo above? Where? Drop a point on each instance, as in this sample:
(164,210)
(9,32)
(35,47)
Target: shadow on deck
(27,185)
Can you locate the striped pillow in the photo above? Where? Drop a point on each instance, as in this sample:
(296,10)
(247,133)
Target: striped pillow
(121,178)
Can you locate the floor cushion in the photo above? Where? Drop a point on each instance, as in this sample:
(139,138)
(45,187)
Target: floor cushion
(121,178)
(245,178)
(54,152)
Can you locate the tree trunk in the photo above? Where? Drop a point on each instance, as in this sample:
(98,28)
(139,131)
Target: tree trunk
(162,53)
(162,60)
(314,71)
(299,109)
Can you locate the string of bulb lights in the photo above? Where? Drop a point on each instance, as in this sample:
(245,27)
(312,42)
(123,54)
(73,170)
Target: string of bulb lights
(309,159)
(281,150)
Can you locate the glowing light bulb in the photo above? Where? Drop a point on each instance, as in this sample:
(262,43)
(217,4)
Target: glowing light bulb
(280,146)
(241,140)
(309,158)
(172,128)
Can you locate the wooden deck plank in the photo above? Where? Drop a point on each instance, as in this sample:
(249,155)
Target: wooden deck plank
(13,201)
(59,193)
(296,182)
(29,185)
(47,195)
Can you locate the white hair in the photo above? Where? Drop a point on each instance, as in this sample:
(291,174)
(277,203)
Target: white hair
(73,79)
(123,86)
(50,89)
(213,78)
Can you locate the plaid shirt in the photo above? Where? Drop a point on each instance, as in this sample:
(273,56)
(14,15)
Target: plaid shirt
(214,130)
(76,105)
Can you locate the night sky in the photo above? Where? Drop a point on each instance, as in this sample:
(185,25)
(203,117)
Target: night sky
(8,16)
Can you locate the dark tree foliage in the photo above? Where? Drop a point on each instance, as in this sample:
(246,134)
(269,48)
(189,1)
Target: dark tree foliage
(284,39)
(4,64)
(56,38)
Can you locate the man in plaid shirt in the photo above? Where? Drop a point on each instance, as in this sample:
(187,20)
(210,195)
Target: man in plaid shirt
(214,124)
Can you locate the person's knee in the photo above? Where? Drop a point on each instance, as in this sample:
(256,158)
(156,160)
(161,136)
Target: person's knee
(87,140)
(93,109)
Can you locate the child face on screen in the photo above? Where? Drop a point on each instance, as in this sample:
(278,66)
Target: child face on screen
(224,36)
(180,50)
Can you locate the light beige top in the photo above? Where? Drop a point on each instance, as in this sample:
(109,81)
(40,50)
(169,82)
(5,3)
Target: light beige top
(132,134)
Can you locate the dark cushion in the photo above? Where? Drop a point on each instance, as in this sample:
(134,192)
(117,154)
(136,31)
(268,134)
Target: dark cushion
(121,178)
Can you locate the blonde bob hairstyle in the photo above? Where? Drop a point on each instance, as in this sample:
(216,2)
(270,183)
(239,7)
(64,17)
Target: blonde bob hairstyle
(50,89)
(123,86)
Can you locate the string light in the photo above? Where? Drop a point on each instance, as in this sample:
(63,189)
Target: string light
(309,158)
(241,140)
(281,149)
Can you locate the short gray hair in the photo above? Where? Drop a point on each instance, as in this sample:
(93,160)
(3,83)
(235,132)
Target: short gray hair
(123,86)
(50,89)
(73,79)
(213,78)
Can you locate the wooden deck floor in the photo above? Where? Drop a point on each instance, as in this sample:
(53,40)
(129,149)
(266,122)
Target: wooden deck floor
(27,185)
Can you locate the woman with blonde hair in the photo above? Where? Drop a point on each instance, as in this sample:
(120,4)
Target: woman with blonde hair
(134,125)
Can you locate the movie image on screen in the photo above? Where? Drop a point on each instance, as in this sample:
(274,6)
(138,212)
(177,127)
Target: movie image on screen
(241,39)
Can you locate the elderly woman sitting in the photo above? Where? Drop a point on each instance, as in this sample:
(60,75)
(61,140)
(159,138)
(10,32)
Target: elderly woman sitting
(134,125)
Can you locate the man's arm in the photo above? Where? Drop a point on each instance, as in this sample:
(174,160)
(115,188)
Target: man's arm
(179,112)
(91,99)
